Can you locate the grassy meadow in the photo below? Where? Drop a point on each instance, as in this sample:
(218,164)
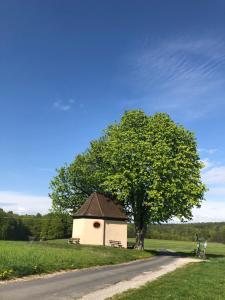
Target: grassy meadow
(186,247)
(25,258)
(199,281)
(202,281)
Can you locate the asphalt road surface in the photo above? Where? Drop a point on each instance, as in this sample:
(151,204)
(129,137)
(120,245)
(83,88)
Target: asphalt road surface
(75,284)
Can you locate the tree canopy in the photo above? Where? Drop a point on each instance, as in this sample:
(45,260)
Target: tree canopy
(24,227)
(149,163)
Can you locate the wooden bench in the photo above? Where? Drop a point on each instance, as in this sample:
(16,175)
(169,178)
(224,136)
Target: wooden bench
(115,244)
(74,241)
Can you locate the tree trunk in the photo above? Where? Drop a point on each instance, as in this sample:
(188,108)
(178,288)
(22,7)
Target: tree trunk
(140,235)
(139,210)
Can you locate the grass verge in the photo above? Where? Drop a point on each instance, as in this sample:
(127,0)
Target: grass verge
(203,281)
(23,258)
(183,247)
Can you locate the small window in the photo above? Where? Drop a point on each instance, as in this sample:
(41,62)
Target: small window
(96,224)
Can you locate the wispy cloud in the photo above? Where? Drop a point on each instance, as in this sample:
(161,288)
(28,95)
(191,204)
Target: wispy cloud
(217,191)
(24,203)
(208,151)
(207,163)
(211,211)
(214,175)
(63,105)
(181,59)
(183,73)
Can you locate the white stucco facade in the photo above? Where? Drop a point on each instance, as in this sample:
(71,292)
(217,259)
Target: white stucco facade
(117,231)
(92,231)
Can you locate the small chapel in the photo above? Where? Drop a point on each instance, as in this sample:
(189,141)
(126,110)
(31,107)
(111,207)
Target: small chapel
(100,221)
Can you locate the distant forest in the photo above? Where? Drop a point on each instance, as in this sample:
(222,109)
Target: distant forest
(34,227)
(57,226)
(213,232)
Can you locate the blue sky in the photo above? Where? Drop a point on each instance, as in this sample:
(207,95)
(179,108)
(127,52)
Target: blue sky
(69,68)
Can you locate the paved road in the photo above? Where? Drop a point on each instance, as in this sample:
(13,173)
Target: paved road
(74,284)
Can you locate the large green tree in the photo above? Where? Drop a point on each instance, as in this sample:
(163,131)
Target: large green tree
(149,163)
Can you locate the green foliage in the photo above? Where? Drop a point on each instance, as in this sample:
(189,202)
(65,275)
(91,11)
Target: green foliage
(11,228)
(149,163)
(56,226)
(32,224)
(50,226)
(67,193)
(213,232)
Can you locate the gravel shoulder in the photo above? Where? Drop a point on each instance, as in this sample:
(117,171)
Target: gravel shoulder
(138,281)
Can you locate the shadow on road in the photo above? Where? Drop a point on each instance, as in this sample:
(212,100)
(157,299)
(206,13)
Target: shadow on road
(166,252)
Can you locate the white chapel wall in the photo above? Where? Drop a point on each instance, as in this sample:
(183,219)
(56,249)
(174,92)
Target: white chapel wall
(117,231)
(84,229)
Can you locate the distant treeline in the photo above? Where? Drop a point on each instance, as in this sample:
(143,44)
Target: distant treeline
(213,232)
(34,227)
(57,226)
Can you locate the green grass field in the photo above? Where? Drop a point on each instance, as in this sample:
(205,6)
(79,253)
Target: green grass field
(201,281)
(24,258)
(213,249)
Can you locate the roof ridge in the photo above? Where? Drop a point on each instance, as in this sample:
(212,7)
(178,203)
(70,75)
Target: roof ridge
(99,204)
(89,203)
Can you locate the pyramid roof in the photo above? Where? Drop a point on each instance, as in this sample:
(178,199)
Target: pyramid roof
(99,206)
